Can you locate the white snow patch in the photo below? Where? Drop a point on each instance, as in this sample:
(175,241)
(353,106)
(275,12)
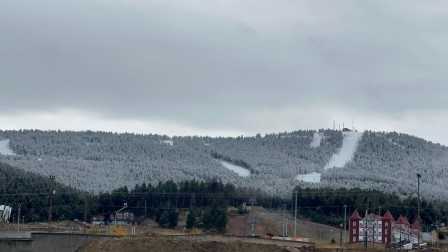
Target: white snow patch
(169,142)
(243,172)
(396,144)
(349,145)
(317,137)
(4,148)
(311,177)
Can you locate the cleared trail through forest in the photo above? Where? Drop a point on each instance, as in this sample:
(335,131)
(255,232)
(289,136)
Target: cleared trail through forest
(347,151)
(4,148)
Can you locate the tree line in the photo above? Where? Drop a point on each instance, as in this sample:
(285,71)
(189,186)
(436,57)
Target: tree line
(326,205)
(205,202)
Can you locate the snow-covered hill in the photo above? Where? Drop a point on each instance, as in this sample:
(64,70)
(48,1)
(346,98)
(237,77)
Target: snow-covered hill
(99,161)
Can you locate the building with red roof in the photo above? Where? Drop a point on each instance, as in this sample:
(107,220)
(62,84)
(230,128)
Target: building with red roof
(381,229)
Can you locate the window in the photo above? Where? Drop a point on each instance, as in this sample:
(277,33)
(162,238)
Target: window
(354,231)
(385,239)
(354,223)
(385,232)
(354,238)
(386,224)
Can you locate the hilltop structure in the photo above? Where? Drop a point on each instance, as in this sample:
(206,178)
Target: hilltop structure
(382,229)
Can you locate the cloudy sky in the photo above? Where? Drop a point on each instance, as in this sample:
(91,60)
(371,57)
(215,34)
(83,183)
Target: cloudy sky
(224,67)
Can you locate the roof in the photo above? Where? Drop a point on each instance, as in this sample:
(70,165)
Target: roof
(415,225)
(371,217)
(388,216)
(355,216)
(402,220)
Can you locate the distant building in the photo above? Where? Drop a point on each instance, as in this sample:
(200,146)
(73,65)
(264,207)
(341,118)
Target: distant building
(381,229)
(123,218)
(99,220)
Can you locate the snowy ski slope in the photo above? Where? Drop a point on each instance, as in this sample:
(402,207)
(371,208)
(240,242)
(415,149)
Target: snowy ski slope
(317,137)
(4,148)
(349,145)
(240,170)
(312,177)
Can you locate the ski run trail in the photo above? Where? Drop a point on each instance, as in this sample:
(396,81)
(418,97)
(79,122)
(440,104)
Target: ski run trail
(339,160)
(347,151)
(316,140)
(4,148)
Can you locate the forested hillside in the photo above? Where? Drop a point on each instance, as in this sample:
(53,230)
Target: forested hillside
(32,192)
(390,162)
(100,161)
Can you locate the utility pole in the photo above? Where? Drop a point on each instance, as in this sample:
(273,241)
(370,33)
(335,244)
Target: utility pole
(379,215)
(295,218)
(345,221)
(418,208)
(18,220)
(284,207)
(50,199)
(373,228)
(365,230)
(145,208)
(85,211)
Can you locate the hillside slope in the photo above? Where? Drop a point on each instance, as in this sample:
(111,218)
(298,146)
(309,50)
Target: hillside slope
(390,162)
(100,161)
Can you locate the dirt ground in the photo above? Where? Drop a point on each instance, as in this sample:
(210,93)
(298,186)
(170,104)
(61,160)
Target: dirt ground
(150,237)
(274,223)
(165,244)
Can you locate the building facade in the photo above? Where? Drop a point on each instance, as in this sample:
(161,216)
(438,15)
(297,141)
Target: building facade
(381,229)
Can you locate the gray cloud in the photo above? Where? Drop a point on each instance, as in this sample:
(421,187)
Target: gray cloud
(210,65)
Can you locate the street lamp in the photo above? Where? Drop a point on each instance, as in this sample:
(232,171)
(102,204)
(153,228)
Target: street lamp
(345,221)
(124,206)
(18,219)
(418,208)
(50,200)
(295,218)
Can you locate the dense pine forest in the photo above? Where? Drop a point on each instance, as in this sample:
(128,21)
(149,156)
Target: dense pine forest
(101,162)
(205,202)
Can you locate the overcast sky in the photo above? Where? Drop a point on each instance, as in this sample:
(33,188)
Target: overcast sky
(224,67)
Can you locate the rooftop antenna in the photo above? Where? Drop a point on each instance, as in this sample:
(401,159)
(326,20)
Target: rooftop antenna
(334,125)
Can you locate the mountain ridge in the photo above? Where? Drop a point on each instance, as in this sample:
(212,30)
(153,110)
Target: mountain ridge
(102,161)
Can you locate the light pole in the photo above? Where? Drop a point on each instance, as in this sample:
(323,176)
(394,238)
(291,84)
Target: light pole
(345,221)
(18,220)
(418,208)
(284,222)
(85,211)
(52,192)
(379,215)
(124,206)
(295,219)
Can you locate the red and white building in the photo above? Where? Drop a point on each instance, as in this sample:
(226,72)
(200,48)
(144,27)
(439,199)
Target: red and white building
(381,229)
